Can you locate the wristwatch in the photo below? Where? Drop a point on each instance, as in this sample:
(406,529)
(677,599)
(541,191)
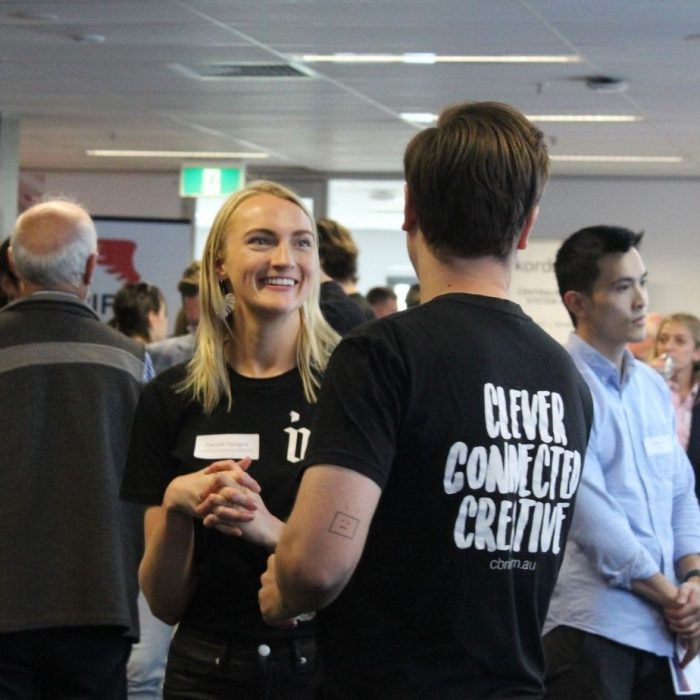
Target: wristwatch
(692,573)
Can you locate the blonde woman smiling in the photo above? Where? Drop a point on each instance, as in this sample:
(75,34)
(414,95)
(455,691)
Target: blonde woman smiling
(248,393)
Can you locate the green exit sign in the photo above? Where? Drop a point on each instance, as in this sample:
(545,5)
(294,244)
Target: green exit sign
(199,181)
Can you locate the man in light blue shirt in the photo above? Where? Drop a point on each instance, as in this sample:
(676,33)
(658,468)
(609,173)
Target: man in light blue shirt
(630,581)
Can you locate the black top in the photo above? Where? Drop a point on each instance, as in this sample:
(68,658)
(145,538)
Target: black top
(694,446)
(69,548)
(364,304)
(342,313)
(474,423)
(162,447)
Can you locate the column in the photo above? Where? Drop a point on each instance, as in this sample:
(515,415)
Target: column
(9,173)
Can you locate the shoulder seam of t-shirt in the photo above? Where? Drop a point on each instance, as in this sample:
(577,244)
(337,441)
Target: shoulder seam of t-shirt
(507,306)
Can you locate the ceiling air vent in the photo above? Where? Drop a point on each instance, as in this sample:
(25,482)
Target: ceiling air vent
(238,71)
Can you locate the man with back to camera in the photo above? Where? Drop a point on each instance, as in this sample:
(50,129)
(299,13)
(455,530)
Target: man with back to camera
(413,296)
(383,301)
(457,431)
(338,254)
(69,549)
(630,581)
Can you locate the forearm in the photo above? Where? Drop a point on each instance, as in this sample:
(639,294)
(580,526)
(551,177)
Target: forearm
(257,526)
(166,574)
(621,560)
(301,593)
(657,589)
(270,536)
(308,579)
(321,544)
(690,562)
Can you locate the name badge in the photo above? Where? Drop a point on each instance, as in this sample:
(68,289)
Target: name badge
(659,445)
(228,446)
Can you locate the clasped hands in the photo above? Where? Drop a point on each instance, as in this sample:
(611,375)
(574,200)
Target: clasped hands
(224,496)
(683,618)
(230,497)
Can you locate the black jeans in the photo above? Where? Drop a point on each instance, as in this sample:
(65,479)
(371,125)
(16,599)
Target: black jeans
(207,667)
(65,662)
(585,666)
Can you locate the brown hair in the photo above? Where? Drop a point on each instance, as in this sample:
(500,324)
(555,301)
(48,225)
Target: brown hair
(132,305)
(337,250)
(474,178)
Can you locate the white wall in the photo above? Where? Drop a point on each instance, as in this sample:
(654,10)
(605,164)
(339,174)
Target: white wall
(382,254)
(130,195)
(117,194)
(668,210)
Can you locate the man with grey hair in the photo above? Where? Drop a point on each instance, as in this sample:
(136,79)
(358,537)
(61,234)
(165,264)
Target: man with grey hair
(69,549)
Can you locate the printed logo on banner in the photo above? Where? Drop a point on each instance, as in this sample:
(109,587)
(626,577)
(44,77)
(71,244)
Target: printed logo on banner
(117,256)
(140,250)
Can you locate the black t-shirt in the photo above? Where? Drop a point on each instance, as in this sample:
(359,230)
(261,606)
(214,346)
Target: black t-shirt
(340,311)
(694,446)
(163,446)
(364,305)
(473,422)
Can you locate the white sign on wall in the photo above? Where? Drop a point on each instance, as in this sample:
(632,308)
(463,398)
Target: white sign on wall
(534,287)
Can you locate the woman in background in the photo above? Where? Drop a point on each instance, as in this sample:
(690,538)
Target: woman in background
(679,339)
(249,392)
(140,312)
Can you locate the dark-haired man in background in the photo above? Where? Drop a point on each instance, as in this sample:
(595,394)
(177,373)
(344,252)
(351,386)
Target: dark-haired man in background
(630,581)
(431,520)
(9,284)
(383,301)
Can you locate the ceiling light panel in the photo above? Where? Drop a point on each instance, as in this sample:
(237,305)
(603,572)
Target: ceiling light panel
(430,58)
(428,118)
(233,155)
(614,159)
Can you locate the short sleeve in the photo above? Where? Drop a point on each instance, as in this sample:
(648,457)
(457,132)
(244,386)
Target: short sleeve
(359,409)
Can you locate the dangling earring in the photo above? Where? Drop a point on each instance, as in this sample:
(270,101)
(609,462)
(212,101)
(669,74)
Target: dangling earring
(228,302)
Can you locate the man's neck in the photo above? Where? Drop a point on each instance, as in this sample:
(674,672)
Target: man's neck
(349,286)
(487,276)
(615,352)
(28,289)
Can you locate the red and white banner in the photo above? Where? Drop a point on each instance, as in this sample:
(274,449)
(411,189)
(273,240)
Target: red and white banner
(140,250)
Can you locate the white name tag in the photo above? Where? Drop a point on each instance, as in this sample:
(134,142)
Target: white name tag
(228,446)
(659,445)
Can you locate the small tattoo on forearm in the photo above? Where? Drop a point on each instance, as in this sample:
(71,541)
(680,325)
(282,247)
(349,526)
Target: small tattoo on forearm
(344,525)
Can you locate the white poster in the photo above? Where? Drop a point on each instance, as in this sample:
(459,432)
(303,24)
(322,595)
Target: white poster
(140,250)
(534,287)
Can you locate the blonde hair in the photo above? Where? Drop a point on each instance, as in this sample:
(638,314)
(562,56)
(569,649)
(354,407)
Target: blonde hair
(207,375)
(692,323)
